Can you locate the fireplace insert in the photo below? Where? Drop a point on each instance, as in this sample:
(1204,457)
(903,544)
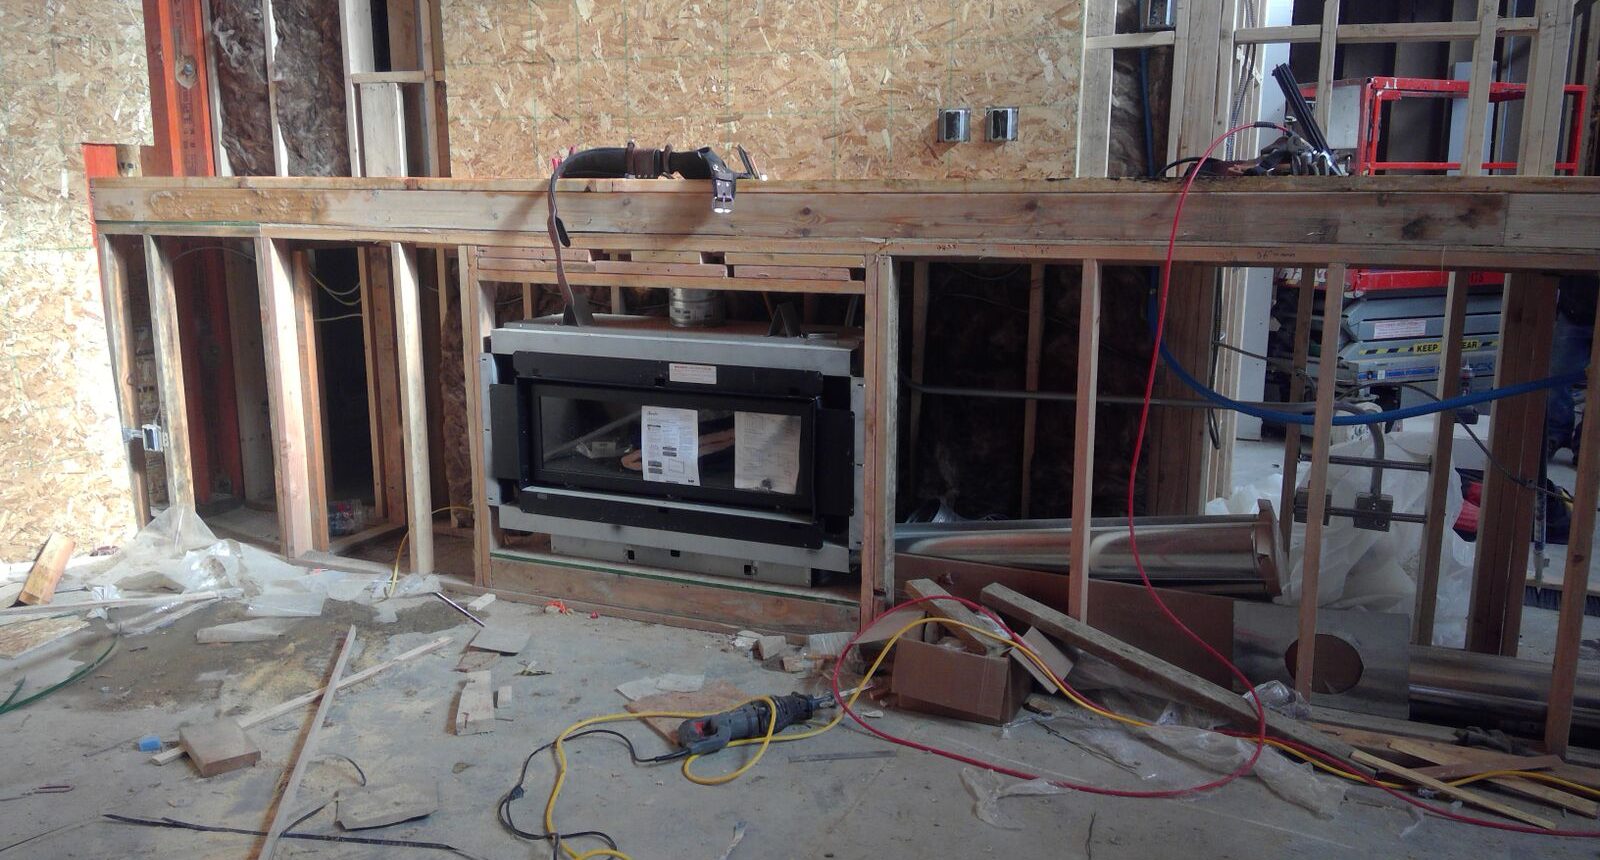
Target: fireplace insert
(721,451)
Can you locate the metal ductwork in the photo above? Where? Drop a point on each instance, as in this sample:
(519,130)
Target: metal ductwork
(1228,555)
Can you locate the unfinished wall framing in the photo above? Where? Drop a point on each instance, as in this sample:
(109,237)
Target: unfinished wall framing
(1520,225)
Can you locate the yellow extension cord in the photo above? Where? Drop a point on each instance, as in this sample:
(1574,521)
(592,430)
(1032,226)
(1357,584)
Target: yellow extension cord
(394,573)
(772,737)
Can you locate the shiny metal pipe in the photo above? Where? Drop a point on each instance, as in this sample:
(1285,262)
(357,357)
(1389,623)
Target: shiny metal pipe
(1236,555)
(1483,689)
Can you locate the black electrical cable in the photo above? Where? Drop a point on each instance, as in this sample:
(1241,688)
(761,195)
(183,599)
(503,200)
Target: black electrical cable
(503,810)
(313,837)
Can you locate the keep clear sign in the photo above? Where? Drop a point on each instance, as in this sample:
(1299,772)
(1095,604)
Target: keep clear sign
(671,445)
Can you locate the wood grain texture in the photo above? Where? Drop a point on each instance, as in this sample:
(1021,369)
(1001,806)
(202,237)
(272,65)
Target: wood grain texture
(1183,686)
(1464,795)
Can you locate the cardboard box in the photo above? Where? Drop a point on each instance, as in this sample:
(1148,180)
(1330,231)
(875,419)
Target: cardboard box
(954,683)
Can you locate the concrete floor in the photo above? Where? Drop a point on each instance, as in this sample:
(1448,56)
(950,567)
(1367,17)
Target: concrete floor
(397,728)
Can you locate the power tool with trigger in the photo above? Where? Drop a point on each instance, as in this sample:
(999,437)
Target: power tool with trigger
(706,735)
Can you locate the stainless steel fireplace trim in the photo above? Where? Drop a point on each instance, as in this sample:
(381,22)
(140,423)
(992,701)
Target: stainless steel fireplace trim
(829,556)
(488,375)
(829,355)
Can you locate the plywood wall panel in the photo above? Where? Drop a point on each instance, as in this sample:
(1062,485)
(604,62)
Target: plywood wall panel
(815,89)
(70,72)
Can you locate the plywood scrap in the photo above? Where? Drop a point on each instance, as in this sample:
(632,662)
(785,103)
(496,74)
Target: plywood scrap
(40,585)
(24,636)
(475,706)
(1462,794)
(218,747)
(714,697)
(380,806)
(768,647)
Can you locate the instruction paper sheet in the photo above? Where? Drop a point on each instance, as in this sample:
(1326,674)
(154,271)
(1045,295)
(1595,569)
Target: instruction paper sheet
(766,452)
(671,445)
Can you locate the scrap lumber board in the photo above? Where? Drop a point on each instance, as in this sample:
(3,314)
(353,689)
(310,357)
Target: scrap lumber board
(1461,794)
(218,747)
(300,701)
(953,611)
(1527,788)
(1185,686)
(291,786)
(40,585)
(475,705)
(1481,765)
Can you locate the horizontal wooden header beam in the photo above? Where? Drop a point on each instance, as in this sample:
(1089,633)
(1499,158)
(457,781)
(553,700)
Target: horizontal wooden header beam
(1436,222)
(1405,31)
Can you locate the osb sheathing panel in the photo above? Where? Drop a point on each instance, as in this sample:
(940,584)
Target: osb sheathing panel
(69,72)
(814,89)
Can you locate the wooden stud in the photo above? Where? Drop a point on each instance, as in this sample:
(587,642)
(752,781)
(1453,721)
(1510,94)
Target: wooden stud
(435,132)
(355,43)
(919,351)
(119,343)
(413,405)
(1441,477)
(1516,442)
(1547,73)
(280,323)
(1327,51)
(169,374)
(1464,795)
(1321,437)
(1030,408)
(383,382)
(881,363)
(286,807)
(1094,92)
(1177,444)
(1472,154)
(1580,551)
(383,130)
(477,320)
(1305,302)
(1083,439)
(309,339)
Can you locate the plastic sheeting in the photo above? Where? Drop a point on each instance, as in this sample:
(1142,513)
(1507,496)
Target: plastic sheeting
(1374,570)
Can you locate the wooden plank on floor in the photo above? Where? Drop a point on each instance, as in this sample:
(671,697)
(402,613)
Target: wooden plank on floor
(1171,680)
(1464,795)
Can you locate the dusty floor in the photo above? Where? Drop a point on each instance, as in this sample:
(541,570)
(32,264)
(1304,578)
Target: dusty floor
(396,727)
